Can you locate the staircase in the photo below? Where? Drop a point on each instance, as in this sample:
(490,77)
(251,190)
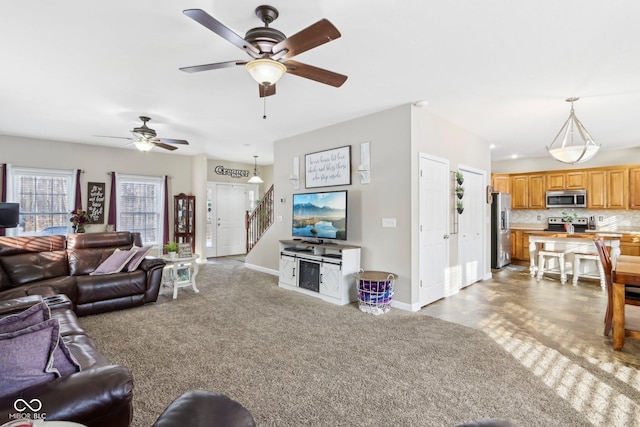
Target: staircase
(258,221)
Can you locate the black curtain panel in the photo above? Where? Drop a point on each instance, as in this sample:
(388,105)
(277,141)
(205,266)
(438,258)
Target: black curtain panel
(112,202)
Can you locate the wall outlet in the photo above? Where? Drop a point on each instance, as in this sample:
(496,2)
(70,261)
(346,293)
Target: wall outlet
(279,219)
(539,217)
(389,222)
(600,218)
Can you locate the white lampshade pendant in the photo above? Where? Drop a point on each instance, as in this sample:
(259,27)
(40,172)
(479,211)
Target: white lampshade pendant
(255,179)
(266,71)
(570,150)
(143,144)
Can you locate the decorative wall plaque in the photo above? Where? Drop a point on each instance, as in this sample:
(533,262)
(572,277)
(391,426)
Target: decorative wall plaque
(95,202)
(328,168)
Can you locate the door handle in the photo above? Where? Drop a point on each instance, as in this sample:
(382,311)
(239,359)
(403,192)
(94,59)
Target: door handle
(446,236)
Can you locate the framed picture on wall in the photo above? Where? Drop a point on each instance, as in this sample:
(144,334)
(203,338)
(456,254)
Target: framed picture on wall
(328,168)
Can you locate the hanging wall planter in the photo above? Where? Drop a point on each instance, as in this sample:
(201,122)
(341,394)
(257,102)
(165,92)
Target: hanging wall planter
(459,207)
(460,192)
(459,178)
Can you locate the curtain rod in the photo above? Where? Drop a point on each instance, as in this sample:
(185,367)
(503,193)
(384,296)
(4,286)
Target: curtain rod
(168,176)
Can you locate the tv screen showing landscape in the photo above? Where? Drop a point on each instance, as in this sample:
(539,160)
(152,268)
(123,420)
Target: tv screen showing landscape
(320,215)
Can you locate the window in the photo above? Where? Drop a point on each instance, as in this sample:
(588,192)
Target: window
(46,199)
(140,206)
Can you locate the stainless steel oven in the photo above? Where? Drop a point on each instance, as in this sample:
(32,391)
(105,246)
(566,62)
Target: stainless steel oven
(566,199)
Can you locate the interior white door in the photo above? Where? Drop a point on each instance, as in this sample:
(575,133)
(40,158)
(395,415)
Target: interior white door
(434,228)
(230,219)
(471,228)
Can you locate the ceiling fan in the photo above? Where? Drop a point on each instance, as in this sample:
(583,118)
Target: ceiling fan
(145,138)
(268,48)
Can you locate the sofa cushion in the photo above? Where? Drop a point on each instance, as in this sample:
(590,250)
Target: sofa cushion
(27,356)
(137,258)
(106,287)
(31,267)
(115,263)
(63,361)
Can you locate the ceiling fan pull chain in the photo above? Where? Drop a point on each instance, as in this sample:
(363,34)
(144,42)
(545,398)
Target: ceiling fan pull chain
(264,108)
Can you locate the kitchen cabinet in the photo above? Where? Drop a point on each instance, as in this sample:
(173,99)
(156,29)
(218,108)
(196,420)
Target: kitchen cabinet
(528,191)
(519,245)
(608,188)
(634,188)
(500,182)
(566,180)
(630,244)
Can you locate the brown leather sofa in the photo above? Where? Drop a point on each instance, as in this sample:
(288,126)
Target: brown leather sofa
(37,268)
(100,395)
(49,265)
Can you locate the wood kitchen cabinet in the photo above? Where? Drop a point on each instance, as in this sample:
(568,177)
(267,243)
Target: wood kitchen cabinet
(634,188)
(500,183)
(630,244)
(528,191)
(566,180)
(608,188)
(519,245)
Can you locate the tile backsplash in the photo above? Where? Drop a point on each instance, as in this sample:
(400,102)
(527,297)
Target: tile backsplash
(605,219)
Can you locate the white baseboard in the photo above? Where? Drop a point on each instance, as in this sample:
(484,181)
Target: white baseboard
(404,306)
(262,269)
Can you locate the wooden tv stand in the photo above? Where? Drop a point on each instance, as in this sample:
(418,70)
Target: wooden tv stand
(320,270)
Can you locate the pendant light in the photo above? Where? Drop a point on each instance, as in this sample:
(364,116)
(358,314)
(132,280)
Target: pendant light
(568,150)
(255,179)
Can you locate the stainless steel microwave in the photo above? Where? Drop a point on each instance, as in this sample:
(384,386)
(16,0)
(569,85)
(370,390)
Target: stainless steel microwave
(566,199)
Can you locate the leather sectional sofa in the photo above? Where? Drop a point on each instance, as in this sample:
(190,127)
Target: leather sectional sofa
(39,268)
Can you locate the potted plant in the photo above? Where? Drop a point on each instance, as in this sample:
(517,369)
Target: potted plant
(568,219)
(459,178)
(459,206)
(80,219)
(459,191)
(171,248)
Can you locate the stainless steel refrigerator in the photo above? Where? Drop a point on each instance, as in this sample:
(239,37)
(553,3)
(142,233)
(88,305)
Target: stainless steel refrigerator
(500,230)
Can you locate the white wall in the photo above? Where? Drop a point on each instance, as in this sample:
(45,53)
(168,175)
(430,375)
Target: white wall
(97,162)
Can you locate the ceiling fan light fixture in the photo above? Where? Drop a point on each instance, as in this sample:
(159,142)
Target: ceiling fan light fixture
(266,71)
(570,150)
(143,144)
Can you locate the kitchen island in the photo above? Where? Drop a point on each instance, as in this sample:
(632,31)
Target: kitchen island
(571,243)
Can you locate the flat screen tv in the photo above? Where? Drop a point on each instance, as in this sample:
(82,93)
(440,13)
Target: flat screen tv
(320,215)
(9,215)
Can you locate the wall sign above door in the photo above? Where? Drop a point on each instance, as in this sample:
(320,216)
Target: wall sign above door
(233,173)
(328,168)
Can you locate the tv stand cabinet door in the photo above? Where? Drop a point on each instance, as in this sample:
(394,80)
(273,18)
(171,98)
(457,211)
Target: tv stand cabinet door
(331,280)
(288,270)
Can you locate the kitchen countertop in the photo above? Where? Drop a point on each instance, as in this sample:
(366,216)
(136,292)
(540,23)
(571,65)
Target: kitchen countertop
(603,230)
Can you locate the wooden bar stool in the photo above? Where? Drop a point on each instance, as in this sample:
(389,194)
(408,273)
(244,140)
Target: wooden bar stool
(545,255)
(579,256)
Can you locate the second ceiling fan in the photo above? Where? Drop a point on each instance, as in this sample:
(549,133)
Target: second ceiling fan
(268,48)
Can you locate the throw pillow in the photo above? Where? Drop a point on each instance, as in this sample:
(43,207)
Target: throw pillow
(35,314)
(115,263)
(137,257)
(27,356)
(63,361)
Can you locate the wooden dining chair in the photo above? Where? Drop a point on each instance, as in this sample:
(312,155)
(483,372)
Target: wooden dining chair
(631,296)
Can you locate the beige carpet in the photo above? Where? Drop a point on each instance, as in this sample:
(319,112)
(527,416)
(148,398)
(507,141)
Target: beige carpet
(293,360)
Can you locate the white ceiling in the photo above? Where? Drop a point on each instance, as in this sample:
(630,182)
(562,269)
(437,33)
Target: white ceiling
(73,69)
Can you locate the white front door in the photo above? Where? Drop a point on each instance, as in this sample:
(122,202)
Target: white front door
(471,227)
(230,219)
(210,221)
(434,228)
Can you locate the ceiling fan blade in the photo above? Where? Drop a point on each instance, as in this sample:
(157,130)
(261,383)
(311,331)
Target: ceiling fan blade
(207,67)
(208,21)
(171,141)
(165,146)
(314,73)
(267,90)
(116,137)
(317,34)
